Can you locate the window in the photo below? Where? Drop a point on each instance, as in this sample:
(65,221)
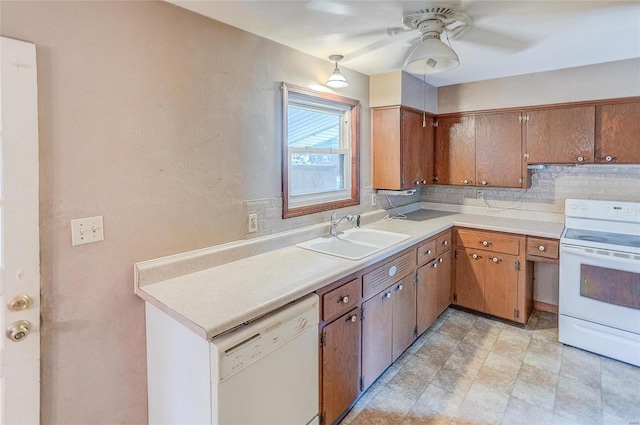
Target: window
(321,162)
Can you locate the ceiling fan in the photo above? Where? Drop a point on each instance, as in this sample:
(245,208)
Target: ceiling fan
(425,28)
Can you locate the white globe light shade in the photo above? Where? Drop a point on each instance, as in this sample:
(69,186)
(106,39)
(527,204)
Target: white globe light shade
(430,57)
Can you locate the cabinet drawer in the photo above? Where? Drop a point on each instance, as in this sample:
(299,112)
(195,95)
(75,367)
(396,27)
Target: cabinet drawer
(340,300)
(494,242)
(443,242)
(541,249)
(385,275)
(426,252)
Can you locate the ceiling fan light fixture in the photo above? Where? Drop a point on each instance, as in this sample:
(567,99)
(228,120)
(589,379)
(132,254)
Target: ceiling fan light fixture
(430,57)
(336,79)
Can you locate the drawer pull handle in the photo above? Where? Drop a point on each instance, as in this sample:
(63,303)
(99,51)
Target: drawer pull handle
(386,295)
(393,270)
(344,299)
(496,260)
(475,256)
(428,252)
(486,243)
(445,243)
(400,287)
(440,260)
(352,319)
(435,265)
(542,248)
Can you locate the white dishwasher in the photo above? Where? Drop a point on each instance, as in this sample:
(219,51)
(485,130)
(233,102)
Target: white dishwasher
(263,373)
(267,371)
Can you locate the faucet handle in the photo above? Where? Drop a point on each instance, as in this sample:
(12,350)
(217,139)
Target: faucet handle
(334,217)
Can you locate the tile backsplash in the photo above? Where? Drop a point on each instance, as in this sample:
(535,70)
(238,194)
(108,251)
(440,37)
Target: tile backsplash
(549,188)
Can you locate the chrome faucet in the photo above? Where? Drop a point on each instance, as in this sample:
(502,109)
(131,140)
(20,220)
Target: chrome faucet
(335,222)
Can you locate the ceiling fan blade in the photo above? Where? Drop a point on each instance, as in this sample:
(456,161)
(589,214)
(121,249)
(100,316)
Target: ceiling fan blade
(331,7)
(394,37)
(493,39)
(338,37)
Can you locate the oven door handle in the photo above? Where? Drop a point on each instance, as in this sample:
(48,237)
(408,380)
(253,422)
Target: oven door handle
(580,251)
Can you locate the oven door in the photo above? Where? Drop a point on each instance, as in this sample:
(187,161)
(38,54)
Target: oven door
(600,286)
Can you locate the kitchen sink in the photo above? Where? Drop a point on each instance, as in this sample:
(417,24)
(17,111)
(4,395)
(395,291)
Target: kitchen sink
(354,244)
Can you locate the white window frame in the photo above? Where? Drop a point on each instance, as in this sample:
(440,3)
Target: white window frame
(349,110)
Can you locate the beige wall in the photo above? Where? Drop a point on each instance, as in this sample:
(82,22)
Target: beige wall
(164,122)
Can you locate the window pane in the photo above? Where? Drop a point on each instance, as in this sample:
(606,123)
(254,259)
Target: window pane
(311,128)
(315,173)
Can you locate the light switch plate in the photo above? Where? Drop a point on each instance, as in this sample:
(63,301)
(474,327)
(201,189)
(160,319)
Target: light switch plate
(86,230)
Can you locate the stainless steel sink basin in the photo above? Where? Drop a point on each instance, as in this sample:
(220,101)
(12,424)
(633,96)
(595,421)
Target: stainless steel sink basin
(354,244)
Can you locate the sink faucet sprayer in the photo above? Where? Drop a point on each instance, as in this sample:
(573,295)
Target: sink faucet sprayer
(335,222)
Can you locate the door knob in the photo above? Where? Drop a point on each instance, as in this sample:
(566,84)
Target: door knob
(17,331)
(19,303)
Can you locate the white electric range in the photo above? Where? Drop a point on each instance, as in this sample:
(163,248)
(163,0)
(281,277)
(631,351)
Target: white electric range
(599,305)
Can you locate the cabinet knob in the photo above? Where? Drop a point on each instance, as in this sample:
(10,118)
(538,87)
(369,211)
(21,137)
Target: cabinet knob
(17,331)
(542,248)
(440,260)
(475,256)
(465,181)
(352,319)
(609,158)
(495,259)
(344,299)
(486,243)
(428,252)
(424,181)
(435,265)
(445,243)
(417,182)
(483,182)
(400,287)
(581,159)
(435,178)
(386,295)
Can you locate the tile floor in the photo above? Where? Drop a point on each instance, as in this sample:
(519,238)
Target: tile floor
(468,369)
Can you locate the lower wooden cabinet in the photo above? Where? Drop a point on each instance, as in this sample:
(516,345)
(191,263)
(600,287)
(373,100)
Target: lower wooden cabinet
(340,352)
(492,275)
(433,284)
(388,327)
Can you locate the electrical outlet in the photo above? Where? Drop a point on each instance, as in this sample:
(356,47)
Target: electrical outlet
(86,230)
(374,199)
(479,194)
(252,225)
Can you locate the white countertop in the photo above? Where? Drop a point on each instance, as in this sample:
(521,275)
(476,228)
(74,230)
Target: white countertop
(216,299)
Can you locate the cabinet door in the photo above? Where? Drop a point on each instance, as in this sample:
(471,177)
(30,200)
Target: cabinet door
(499,159)
(561,135)
(377,336)
(469,284)
(443,279)
(427,171)
(411,140)
(501,285)
(455,150)
(340,365)
(404,315)
(617,130)
(386,148)
(426,296)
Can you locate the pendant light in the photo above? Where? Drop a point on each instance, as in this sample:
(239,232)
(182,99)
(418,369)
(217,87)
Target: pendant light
(337,80)
(431,55)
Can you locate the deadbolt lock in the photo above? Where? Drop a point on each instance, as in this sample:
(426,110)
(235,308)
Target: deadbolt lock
(17,331)
(19,303)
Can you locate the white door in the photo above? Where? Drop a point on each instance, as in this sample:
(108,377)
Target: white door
(19,236)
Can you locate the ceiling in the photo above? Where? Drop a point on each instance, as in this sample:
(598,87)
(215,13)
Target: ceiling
(509,37)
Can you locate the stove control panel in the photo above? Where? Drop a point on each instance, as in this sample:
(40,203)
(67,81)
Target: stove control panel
(603,210)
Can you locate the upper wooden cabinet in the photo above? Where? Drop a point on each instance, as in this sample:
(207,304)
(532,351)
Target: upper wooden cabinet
(560,135)
(455,150)
(479,150)
(499,159)
(402,148)
(618,133)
